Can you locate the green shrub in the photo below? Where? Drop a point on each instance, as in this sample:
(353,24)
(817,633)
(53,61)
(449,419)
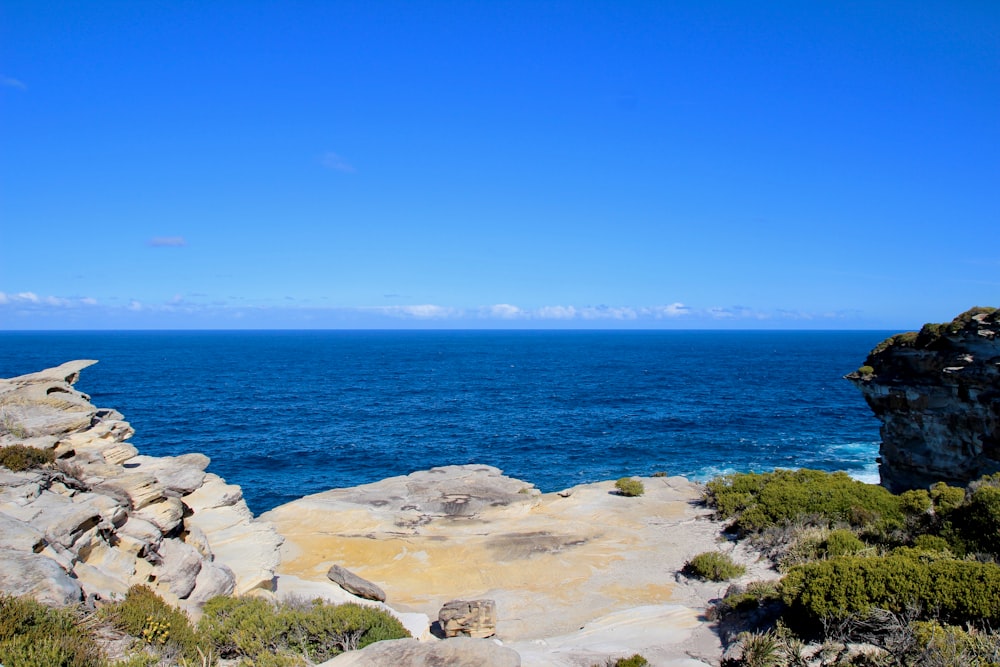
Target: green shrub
(758,501)
(950,590)
(630,487)
(946,498)
(866,371)
(713,566)
(22,457)
(33,635)
(631,661)
(976,524)
(162,628)
(635,660)
(250,628)
(757,594)
(841,542)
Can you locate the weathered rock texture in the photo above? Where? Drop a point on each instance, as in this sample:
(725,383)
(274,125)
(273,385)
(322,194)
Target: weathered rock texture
(461,652)
(468,618)
(104,518)
(937,393)
(577,578)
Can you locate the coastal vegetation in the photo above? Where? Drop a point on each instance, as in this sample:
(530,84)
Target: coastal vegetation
(913,577)
(713,566)
(630,487)
(22,457)
(242,631)
(932,332)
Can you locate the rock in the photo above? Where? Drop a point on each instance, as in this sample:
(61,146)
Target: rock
(459,652)
(166,514)
(178,568)
(36,576)
(180,474)
(468,618)
(354,584)
(20,536)
(937,394)
(250,547)
(213,579)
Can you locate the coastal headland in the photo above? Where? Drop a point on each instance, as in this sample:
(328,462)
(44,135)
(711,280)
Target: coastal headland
(578,576)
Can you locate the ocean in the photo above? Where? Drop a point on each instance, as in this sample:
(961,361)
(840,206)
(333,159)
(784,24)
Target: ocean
(288,413)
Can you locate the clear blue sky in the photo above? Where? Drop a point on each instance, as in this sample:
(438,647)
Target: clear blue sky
(326,164)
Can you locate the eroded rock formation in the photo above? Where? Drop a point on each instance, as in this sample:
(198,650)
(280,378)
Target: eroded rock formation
(937,394)
(104,518)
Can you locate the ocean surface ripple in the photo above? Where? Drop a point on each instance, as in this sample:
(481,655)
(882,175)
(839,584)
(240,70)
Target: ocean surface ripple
(288,413)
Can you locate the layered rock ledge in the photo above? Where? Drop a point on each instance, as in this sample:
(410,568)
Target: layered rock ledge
(937,394)
(104,518)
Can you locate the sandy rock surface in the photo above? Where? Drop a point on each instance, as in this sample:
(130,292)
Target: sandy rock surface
(576,577)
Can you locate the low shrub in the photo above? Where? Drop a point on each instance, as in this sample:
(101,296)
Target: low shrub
(22,457)
(713,566)
(163,629)
(841,542)
(950,590)
(33,635)
(757,594)
(628,486)
(757,501)
(635,660)
(253,628)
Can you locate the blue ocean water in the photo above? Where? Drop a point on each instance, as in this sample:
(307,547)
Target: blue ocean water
(287,413)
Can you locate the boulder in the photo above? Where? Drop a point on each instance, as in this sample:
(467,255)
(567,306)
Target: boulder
(354,584)
(178,568)
(468,618)
(458,652)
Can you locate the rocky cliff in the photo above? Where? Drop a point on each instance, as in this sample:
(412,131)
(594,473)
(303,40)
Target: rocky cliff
(937,394)
(102,518)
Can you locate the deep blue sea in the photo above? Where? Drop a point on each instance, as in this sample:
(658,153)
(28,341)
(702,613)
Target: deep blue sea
(287,413)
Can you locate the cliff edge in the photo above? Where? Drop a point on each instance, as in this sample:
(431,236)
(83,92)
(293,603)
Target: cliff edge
(103,518)
(937,394)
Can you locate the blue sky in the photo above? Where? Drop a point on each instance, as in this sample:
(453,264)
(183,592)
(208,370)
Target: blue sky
(498,164)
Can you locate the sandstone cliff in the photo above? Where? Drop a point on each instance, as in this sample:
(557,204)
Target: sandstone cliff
(937,394)
(103,518)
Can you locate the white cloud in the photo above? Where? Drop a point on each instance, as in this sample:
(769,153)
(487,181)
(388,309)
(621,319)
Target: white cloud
(676,309)
(331,160)
(88,301)
(11,82)
(556,312)
(608,313)
(27,296)
(3,298)
(56,301)
(422,311)
(167,241)
(505,311)
(134,305)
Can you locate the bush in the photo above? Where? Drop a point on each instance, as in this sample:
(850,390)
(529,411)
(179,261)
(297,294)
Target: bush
(841,543)
(949,590)
(631,661)
(33,635)
(251,628)
(22,457)
(758,501)
(756,595)
(630,487)
(866,371)
(713,566)
(165,630)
